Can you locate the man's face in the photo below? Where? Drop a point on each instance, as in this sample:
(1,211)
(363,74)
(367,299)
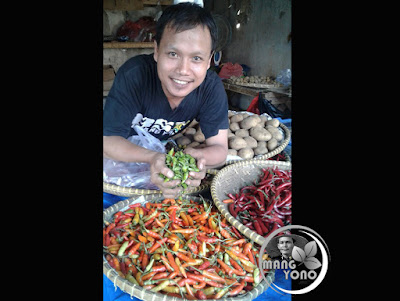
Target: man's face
(182,60)
(285,245)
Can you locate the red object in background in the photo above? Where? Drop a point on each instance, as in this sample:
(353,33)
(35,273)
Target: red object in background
(138,31)
(228,69)
(253,107)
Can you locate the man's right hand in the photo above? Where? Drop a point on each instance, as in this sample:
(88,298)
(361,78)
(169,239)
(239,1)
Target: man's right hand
(169,189)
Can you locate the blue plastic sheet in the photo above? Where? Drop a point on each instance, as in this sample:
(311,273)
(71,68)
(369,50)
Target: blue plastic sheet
(114,293)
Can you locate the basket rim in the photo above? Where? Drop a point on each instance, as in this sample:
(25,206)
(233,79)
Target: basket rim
(129,191)
(223,208)
(143,294)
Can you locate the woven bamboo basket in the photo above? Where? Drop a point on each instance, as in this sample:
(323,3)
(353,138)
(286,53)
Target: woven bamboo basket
(131,191)
(231,179)
(143,294)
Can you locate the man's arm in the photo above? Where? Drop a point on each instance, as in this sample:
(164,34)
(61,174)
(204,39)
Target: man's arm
(120,149)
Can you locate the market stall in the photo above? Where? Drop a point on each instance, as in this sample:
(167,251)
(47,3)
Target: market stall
(204,243)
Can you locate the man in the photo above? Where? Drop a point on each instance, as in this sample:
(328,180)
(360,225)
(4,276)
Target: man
(285,246)
(163,92)
(281,247)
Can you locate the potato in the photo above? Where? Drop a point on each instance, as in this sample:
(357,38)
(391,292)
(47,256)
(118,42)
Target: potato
(260,134)
(242,133)
(270,128)
(246,153)
(263,118)
(234,126)
(277,135)
(183,140)
(251,142)
(261,148)
(250,122)
(237,143)
(199,136)
(272,144)
(237,118)
(230,134)
(190,131)
(193,144)
(177,136)
(274,122)
(232,152)
(193,123)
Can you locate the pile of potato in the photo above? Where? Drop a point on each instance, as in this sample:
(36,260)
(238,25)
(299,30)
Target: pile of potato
(253,79)
(248,135)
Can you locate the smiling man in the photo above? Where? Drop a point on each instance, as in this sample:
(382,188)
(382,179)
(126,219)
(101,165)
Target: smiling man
(164,91)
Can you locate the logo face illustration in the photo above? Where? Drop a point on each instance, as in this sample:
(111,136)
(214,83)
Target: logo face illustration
(303,260)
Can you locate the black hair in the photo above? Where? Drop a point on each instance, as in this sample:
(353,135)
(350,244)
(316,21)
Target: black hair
(184,16)
(277,240)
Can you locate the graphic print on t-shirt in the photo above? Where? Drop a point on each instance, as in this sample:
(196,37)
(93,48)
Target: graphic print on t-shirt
(159,126)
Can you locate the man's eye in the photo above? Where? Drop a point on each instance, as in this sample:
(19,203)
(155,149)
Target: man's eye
(197,59)
(172,54)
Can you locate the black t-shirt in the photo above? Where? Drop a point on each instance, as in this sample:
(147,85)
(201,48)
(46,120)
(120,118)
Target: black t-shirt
(136,96)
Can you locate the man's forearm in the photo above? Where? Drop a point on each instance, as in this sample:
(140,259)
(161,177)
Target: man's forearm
(120,149)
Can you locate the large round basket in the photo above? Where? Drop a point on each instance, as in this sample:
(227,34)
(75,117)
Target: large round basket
(144,294)
(231,179)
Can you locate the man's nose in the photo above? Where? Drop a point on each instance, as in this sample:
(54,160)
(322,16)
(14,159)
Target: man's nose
(184,66)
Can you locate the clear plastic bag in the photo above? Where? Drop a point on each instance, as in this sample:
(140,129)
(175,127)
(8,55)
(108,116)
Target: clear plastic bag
(132,174)
(284,77)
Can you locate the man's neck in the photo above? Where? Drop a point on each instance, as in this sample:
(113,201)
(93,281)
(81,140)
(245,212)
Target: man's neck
(174,102)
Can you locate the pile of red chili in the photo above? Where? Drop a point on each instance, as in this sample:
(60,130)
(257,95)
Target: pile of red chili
(181,248)
(266,205)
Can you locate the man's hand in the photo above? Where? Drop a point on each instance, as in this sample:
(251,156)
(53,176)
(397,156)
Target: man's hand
(195,178)
(157,166)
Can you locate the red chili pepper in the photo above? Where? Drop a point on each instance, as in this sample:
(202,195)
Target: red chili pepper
(285,199)
(236,232)
(282,186)
(264,229)
(257,227)
(232,210)
(207,239)
(110,227)
(200,295)
(204,265)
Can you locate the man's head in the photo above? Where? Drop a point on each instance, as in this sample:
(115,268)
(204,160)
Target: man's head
(184,16)
(285,245)
(185,39)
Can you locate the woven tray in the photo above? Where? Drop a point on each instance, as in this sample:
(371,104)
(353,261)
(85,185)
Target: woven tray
(143,294)
(231,179)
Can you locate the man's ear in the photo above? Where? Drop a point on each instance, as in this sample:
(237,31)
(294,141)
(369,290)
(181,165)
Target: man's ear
(209,60)
(155,55)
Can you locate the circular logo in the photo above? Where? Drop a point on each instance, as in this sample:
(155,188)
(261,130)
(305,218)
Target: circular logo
(300,253)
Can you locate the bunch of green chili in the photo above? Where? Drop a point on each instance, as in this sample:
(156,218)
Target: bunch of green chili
(181,164)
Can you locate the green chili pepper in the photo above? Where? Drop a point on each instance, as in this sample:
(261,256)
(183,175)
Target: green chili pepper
(123,248)
(256,276)
(131,279)
(181,164)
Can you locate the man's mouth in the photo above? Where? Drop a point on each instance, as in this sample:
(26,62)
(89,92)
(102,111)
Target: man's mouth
(180,82)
